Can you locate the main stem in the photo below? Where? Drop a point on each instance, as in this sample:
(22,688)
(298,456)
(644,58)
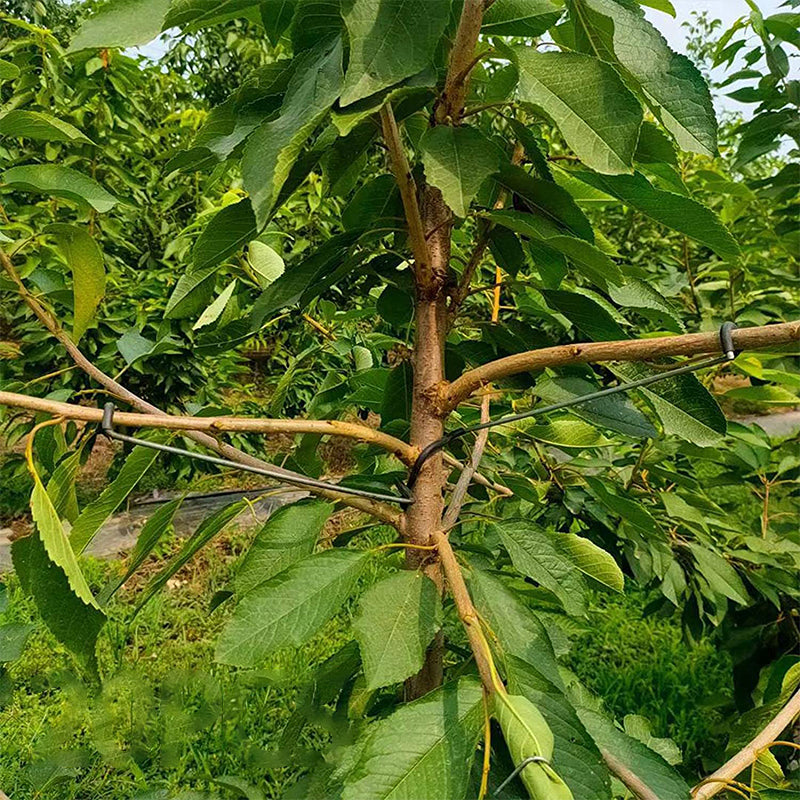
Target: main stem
(424,517)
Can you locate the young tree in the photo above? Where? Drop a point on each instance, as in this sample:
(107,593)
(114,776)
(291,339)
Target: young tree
(496,141)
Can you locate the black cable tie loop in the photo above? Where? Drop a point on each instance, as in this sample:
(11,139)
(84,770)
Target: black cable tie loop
(726,340)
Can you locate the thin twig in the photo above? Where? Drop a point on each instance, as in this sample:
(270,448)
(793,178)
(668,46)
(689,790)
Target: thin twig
(460,492)
(408,192)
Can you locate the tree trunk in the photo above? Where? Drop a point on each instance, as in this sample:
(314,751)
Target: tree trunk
(425,515)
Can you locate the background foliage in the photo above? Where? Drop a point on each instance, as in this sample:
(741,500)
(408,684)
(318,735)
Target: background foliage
(200,310)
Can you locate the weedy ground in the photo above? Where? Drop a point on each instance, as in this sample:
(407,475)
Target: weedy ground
(168,718)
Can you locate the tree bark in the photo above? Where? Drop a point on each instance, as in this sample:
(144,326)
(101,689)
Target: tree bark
(423,518)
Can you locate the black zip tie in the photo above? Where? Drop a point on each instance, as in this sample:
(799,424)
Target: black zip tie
(107,426)
(729,354)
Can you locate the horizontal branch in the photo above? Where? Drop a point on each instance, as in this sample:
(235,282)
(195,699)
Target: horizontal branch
(689,344)
(381,511)
(405,452)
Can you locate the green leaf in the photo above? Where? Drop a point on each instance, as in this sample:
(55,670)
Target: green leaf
(586,314)
(527,734)
(8,71)
(196,14)
(98,511)
(660,5)
(762,134)
(61,486)
(673,210)
(241,787)
(273,148)
(213,312)
(585,257)
(648,302)
(518,630)
(616,412)
(769,395)
(548,199)
(422,750)
(535,552)
(576,757)
(85,260)
(289,608)
(520,17)
(647,765)
(75,623)
(12,640)
(41,126)
(640,728)
(287,536)
(58,181)
(721,576)
(301,278)
(684,406)
(395,306)
(231,228)
(121,23)
(389,41)
(276,16)
(56,543)
(674,88)
(266,263)
(457,161)
(564,432)
(151,533)
(621,506)
(592,560)
(397,395)
(192,292)
(754,719)
(655,147)
(207,530)
(585,98)
(376,204)
(397,619)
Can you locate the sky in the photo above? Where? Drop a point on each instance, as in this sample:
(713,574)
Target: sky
(726,10)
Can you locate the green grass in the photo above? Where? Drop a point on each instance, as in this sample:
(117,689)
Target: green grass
(642,665)
(168,718)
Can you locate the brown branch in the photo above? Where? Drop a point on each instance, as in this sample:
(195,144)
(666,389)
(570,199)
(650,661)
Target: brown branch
(451,103)
(381,511)
(629,778)
(715,783)
(466,610)
(408,193)
(482,480)
(690,344)
(462,291)
(349,430)
(460,492)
